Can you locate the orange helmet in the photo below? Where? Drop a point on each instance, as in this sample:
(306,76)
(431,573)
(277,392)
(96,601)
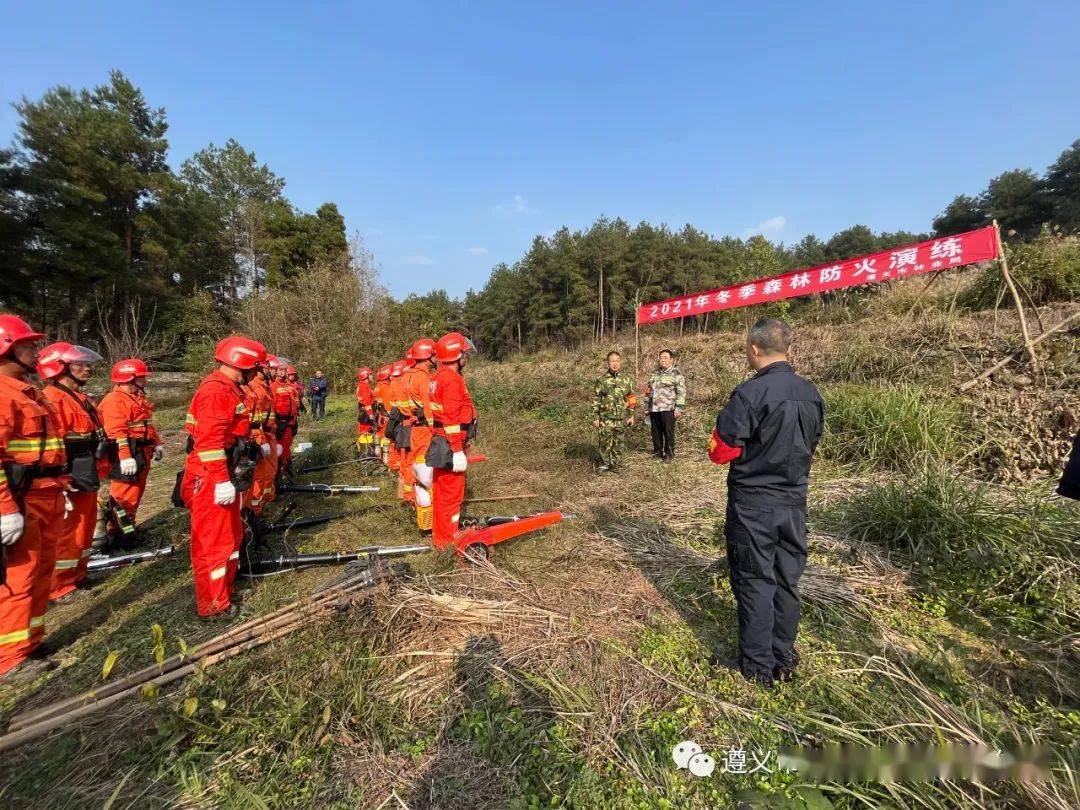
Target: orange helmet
(53,359)
(452,346)
(14,329)
(423,349)
(127,370)
(363,373)
(383,373)
(240,352)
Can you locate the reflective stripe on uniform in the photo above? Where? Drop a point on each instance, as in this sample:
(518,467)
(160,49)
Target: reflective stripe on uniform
(234,556)
(15,636)
(452,430)
(218,573)
(455,518)
(3,477)
(190,420)
(63,565)
(211,455)
(21,445)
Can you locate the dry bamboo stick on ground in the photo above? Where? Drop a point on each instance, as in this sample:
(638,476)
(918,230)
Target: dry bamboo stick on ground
(239,634)
(1000,365)
(492,498)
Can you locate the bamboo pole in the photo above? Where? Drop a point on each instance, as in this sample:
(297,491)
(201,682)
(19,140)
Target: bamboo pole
(1016,297)
(970,383)
(235,635)
(493,498)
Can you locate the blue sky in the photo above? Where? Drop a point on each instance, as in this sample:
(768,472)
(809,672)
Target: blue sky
(450,134)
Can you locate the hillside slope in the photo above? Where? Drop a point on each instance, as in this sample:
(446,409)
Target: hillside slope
(940,605)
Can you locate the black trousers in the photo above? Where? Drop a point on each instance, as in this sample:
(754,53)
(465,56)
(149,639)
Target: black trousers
(318,407)
(662,424)
(766,547)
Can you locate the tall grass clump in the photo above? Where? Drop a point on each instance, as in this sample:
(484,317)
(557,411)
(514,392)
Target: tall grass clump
(1013,554)
(897,427)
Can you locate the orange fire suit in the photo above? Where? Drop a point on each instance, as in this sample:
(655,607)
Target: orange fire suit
(285,410)
(81,429)
(217,420)
(382,400)
(453,411)
(397,455)
(420,417)
(29,435)
(128,420)
(365,417)
(260,406)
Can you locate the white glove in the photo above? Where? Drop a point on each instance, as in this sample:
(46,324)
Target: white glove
(460,462)
(128,466)
(11,528)
(265,450)
(159,452)
(280,450)
(224,493)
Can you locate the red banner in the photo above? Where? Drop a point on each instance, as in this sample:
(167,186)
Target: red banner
(909,260)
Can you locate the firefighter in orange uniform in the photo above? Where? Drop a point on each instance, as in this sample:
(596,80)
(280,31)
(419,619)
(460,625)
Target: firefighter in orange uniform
(215,473)
(382,410)
(365,414)
(396,394)
(33,505)
(406,479)
(283,395)
(419,418)
(298,387)
(261,415)
(65,369)
(454,424)
(128,414)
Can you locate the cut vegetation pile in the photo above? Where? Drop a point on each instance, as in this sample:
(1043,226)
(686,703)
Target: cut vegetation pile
(940,606)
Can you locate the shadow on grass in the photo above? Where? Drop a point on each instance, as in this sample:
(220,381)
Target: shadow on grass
(583,450)
(495,718)
(690,580)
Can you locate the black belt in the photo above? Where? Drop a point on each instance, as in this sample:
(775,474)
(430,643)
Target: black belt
(46,472)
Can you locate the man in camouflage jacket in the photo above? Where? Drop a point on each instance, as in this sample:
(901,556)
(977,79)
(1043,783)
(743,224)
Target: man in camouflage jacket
(665,399)
(613,411)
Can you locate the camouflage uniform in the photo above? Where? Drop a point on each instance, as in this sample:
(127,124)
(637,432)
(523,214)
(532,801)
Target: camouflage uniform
(613,404)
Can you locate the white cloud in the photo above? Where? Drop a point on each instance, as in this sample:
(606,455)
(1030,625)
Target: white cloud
(519,205)
(479,251)
(769,228)
(418,260)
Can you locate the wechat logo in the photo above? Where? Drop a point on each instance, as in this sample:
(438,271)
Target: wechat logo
(688,754)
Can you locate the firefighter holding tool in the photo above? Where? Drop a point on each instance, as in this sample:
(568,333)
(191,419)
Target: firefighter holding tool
(365,414)
(65,369)
(33,503)
(454,425)
(285,410)
(219,468)
(128,417)
(419,419)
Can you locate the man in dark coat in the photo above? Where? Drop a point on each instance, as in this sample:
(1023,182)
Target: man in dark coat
(768,432)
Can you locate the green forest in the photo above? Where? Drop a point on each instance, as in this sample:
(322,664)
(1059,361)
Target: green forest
(104,242)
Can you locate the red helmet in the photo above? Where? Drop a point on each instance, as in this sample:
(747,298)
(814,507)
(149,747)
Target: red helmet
(240,352)
(423,349)
(363,373)
(53,359)
(398,368)
(276,362)
(383,373)
(127,370)
(451,346)
(290,370)
(14,329)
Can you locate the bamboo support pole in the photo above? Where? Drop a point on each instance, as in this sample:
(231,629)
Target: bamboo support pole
(1016,297)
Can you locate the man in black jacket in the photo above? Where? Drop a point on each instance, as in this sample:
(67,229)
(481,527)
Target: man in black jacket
(768,432)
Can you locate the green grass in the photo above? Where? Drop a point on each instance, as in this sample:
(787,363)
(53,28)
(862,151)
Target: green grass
(899,428)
